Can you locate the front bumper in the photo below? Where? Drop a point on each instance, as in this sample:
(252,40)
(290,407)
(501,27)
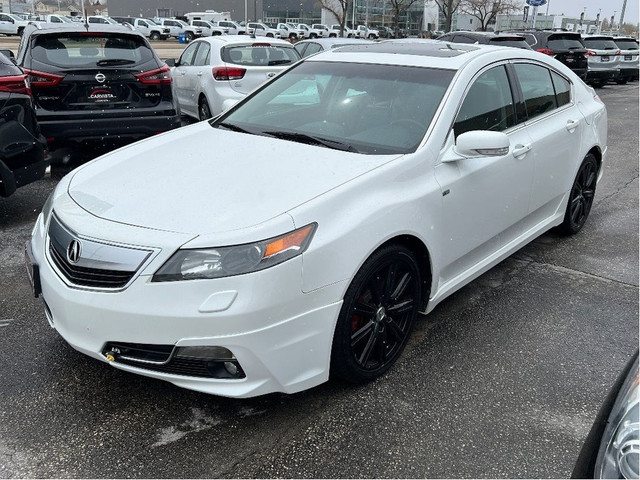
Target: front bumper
(280,336)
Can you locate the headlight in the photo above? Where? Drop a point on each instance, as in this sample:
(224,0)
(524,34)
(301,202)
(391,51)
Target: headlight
(620,448)
(193,264)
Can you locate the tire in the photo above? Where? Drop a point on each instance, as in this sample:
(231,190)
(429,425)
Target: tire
(189,36)
(154,36)
(204,111)
(581,196)
(622,81)
(313,35)
(377,316)
(270,35)
(20,31)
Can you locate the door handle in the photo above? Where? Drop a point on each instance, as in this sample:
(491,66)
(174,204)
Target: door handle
(572,125)
(520,150)
(199,74)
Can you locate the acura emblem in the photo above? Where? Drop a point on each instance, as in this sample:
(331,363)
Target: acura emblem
(100,78)
(74,250)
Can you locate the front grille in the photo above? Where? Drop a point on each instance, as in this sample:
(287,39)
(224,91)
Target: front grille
(88,277)
(160,358)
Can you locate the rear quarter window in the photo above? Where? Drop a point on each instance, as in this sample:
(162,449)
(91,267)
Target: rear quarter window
(259,55)
(90,51)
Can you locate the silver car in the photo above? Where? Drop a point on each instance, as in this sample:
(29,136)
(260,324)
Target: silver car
(603,59)
(629,60)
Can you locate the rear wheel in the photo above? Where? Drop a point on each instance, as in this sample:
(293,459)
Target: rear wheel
(377,316)
(622,81)
(581,197)
(204,111)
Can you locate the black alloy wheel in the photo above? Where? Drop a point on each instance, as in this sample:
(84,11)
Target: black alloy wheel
(581,197)
(204,112)
(379,310)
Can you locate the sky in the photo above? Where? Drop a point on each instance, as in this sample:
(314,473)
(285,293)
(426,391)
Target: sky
(575,7)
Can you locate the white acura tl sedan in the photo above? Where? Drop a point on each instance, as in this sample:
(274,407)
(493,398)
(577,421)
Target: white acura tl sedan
(300,233)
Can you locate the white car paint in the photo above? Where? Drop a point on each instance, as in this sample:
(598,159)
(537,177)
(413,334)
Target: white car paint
(201,187)
(194,82)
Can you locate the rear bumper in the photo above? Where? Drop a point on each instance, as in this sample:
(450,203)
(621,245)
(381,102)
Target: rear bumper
(609,74)
(118,129)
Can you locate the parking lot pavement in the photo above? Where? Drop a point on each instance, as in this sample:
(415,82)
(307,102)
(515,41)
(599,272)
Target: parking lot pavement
(502,379)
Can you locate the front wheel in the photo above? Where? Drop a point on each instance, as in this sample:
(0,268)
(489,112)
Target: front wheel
(155,36)
(377,316)
(581,197)
(270,35)
(313,35)
(190,36)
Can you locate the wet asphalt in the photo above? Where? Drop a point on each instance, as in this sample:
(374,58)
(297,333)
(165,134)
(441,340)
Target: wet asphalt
(503,379)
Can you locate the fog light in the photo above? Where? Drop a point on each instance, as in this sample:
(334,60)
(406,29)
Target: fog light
(231,368)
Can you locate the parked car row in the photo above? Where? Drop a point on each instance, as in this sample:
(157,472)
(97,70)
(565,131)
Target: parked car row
(597,59)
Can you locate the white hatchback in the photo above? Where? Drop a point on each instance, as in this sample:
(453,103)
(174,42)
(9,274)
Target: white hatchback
(302,232)
(214,72)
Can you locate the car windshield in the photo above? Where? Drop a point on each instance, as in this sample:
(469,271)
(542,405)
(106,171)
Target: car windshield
(627,44)
(600,43)
(149,21)
(510,42)
(183,24)
(565,42)
(90,50)
(260,54)
(363,108)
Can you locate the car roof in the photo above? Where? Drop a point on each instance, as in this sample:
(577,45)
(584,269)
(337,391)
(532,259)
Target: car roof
(37,29)
(597,37)
(242,40)
(330,42)
(412,52)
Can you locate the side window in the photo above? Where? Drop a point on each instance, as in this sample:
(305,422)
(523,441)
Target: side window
(563,89)
(55,20)
(186,60)
(312,48)
(142,24)
(488,104)
(537,88)
(463,39)
(202,57)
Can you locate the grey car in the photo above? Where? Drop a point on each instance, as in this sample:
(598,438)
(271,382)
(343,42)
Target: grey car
(603,59)
(629,58)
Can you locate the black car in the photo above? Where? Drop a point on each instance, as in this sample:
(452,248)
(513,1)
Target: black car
(565,47)
(22,147)
(97,84)
(487,38)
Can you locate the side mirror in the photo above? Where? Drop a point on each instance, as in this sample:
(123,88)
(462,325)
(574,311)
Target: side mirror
(481,143)
(171,62)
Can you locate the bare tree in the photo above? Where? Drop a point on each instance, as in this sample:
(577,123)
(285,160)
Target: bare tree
(486,11)
(398,7)
(340,9)
(448,8)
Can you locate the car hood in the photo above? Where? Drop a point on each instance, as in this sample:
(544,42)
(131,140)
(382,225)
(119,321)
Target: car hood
(203,180)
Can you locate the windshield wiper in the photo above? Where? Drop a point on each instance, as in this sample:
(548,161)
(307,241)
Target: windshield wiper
(234,127)
(312,140)
(114,61)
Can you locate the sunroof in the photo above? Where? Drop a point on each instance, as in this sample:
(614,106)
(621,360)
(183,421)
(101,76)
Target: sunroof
(426,49)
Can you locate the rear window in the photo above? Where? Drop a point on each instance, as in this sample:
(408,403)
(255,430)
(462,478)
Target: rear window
(260,54)
(627,44)
(82,50)
(510,42)
(564,42)
(600,44)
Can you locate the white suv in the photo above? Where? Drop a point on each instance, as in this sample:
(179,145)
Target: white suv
(177,27)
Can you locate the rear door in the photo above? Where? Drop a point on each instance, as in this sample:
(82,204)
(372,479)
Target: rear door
(261,62)
(183,75)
